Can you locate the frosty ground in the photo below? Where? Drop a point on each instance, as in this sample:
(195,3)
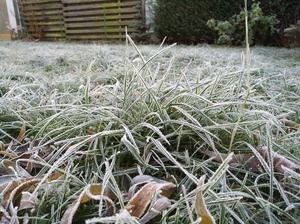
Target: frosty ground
(106,113)
(58,59)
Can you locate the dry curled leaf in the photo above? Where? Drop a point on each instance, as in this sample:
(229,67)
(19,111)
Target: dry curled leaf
(7,191)
(5,180)
(279,161)
(54,176)
(8,155)
(92,191)
(201,210)
(143,179)
(292,125)
(141,200)
(5,167)
(13,190)
(16,194)
(140,179)
(2,146)
(21,135)
(159,205)
(251,163)
(247,160)
(28,201)
(145,204)
(139,203)
(22,156)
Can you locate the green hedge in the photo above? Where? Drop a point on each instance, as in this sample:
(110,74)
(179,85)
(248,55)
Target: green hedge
(185,21)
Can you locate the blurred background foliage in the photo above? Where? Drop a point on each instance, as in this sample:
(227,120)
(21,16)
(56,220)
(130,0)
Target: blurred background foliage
(222,22)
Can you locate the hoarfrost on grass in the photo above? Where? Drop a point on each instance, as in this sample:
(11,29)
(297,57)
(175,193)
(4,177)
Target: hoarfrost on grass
(105,116)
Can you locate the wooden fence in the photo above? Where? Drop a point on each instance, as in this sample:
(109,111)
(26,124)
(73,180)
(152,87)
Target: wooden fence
(82,19)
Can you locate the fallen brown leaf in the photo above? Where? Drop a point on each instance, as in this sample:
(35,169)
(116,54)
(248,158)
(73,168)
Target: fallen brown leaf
(247,160)
(292,125)
(15,189)
(143,179)
(139,203)
(145,204)
(5,167)
(8,155)
(92,191)
(54,176)
(160,205)
(279,161)
(251,163)
(28,201)
(5,180)
(7,191)
(2,146)
(140,179)
(22,132)
(200,206)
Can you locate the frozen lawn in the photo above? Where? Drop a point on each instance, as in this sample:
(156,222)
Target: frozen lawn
(97,114)
(50,59)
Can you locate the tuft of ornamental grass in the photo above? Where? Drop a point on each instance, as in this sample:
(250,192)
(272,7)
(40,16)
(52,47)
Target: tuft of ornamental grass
(103,116)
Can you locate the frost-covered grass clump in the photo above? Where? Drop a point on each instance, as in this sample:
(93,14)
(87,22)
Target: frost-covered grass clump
(73,116)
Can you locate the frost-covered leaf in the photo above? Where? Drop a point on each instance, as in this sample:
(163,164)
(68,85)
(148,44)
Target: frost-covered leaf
(139,203)
(200,206)
(28,201)
(158,207)
(92,191)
